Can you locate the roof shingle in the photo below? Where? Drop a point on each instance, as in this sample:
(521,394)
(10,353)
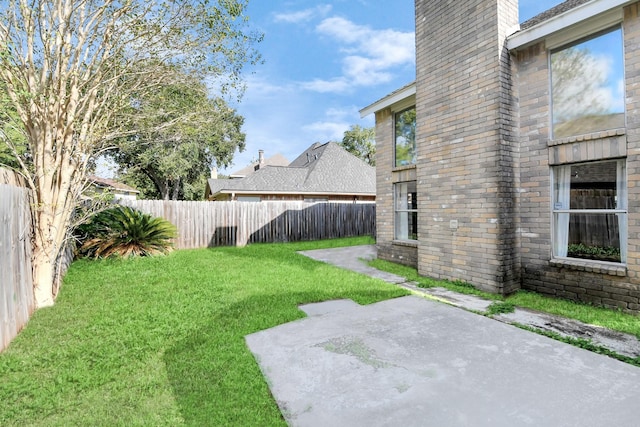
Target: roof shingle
(550,13)
(321,168)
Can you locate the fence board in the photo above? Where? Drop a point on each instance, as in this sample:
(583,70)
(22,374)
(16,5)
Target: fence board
(16,290)
(207,224)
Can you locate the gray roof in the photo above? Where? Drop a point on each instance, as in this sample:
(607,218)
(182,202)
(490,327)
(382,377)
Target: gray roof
(111,184)
(550,13)
(321,168)
(275,160)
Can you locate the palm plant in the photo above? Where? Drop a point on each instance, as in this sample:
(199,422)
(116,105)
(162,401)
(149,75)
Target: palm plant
(125,232)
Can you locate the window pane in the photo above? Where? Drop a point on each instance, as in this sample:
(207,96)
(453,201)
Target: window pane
(598,235)
(593,186)
(406,196)
(587,82)
(405,137)
(406,226)
(406,215)
(413,225)
(594,236)
(402,225)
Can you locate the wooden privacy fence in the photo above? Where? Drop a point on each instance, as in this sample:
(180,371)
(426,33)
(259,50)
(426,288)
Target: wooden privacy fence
(207,224)
(16,289)
(594,229)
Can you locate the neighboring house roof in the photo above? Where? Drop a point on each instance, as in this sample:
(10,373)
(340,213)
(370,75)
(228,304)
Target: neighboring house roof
(110,184)
(321,169)
(550,13)
(275,160)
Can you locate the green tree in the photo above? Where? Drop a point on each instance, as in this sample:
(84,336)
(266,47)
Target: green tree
(180,132)
(72,69)
(361,142)
(12,137)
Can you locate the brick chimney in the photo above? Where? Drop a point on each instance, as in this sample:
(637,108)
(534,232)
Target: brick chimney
(465,135)
(260,160)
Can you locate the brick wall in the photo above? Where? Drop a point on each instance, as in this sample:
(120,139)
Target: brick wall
(466,171)
(485,157)
(387,174)
(384,187)
(583,281)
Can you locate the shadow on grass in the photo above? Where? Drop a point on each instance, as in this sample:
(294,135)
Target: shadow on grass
(215,378)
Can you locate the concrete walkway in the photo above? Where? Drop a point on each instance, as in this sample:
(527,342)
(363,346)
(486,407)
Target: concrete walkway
(355,258)
(412,361)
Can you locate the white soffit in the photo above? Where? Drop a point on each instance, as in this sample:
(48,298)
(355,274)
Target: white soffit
(593,16)
(389,100)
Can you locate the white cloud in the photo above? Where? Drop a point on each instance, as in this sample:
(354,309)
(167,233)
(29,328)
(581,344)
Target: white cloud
(261,88)
(303,15)
(620,96)
(327,130)
(370,56)
(324,86)
(340,113)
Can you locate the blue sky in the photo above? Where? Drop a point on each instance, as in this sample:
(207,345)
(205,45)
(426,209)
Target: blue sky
(323,62)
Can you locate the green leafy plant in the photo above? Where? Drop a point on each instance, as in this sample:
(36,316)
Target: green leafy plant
(580,250)
(125,232)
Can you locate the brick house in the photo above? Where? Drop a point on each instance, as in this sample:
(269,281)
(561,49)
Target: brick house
(119,190)
(512,161)
(275,160)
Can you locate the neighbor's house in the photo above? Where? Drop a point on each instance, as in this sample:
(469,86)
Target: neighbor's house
(323,173)
(513,159)
(275,160)
(119,190)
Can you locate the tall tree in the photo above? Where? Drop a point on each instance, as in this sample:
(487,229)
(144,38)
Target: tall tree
(180,133)
(72,69)
(361,142)
(12,136)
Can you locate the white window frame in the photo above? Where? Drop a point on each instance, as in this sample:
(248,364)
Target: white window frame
(561,211)
(402,211)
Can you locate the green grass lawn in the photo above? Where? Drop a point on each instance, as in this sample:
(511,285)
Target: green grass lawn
(160,341)
(616,320)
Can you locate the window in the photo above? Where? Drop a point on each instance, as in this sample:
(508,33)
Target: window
(587,82)
(406,211)
(590,211)
(405,137)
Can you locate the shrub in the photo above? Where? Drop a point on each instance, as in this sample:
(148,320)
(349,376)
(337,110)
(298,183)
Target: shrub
(125,232)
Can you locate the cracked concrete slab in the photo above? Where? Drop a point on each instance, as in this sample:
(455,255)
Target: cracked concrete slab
(355,258)
(415,362)
(624,344)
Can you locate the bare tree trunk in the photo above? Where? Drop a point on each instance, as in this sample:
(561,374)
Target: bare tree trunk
(43,276)
(52,218)
(176,189)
